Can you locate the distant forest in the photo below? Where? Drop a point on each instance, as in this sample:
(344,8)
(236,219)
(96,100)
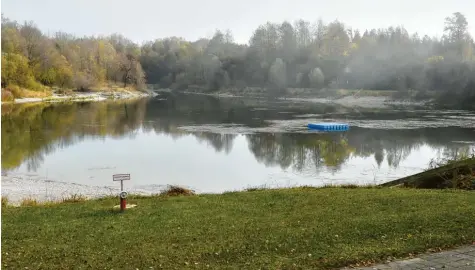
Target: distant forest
(278,56)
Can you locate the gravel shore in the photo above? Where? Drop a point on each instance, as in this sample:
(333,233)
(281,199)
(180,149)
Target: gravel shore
(86,96)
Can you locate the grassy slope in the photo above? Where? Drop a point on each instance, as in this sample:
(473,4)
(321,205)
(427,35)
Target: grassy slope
(275,229)
(435,178)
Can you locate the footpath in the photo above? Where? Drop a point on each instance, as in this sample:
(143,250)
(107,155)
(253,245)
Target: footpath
(461,258)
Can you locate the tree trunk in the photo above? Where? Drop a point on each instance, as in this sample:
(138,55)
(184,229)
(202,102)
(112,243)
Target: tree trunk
(125,81)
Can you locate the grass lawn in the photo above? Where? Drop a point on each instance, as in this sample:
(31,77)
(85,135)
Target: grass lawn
(301,228)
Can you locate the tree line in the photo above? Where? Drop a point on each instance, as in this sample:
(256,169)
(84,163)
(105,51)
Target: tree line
(32,60)
(278,56)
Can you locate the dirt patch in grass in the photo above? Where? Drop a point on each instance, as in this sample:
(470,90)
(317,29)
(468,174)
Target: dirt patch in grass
(173,190)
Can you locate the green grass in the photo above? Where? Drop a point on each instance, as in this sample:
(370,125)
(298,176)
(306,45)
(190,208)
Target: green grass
(301,228)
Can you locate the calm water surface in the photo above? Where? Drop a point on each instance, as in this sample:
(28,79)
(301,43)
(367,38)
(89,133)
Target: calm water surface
(217,145)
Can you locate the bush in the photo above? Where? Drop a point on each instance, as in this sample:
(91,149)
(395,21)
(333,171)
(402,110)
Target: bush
(83,82)
(15,90)
(7,95)
(63,91)
(177,191)
(31,84)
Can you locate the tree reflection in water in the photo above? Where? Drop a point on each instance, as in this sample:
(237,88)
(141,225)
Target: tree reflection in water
(31,132)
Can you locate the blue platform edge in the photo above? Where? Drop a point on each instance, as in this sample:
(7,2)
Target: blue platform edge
(329,126)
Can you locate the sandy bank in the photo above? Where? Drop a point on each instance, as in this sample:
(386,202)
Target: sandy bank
(87,96)
(347,101)
(363,102)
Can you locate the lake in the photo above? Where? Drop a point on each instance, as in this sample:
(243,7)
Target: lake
(215,145)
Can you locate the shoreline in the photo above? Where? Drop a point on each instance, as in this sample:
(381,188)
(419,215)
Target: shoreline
(44,191)
(91,96)
(113,193)
(367,100)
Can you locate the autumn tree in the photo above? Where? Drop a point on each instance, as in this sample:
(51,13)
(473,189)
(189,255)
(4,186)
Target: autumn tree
(33,38)
(130,70)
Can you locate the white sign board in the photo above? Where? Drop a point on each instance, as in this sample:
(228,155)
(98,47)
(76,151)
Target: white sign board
(121,177)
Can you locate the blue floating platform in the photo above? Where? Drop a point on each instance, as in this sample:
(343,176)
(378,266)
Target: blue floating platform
(329,126)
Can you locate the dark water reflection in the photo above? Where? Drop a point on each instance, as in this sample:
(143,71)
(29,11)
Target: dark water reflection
(215,145)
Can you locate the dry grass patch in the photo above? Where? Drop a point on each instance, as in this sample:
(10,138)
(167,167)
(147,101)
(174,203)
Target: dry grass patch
(29,202)
(19,92)
(74,198)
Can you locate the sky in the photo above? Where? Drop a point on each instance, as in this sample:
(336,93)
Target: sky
(144,20)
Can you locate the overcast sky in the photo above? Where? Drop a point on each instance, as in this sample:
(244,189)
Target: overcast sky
(142,20)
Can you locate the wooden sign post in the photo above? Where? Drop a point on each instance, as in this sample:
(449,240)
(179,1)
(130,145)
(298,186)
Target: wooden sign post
(123,194)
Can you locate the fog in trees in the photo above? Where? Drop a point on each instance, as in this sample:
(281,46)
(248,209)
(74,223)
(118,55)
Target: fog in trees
(279,55)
